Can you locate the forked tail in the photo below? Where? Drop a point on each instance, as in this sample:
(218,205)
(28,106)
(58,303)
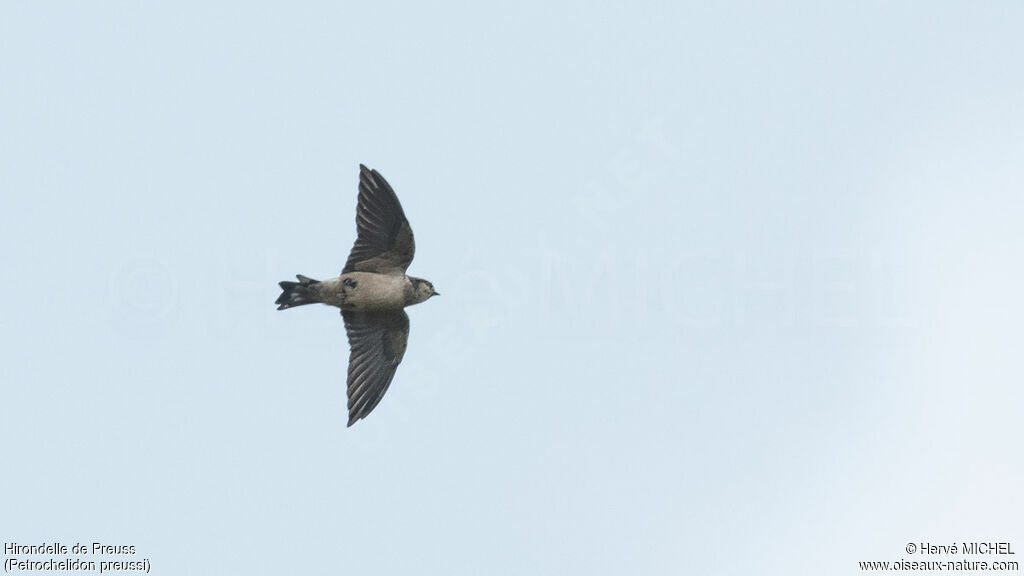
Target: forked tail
(296,293)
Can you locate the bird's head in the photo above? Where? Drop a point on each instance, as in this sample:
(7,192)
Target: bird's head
(422,289)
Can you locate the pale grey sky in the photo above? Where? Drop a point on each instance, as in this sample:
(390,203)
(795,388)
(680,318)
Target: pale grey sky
(728,289)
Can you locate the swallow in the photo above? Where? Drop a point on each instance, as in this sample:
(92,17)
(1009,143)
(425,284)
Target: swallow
(372,293)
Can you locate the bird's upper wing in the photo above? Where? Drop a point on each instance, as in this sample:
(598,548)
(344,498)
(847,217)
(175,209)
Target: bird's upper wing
(377,341)
(384,243)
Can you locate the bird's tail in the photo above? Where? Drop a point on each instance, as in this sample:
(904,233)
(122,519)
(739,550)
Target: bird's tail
(296,293)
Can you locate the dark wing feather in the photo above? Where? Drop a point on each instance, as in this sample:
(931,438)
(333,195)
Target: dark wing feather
(377,341)
(384,242)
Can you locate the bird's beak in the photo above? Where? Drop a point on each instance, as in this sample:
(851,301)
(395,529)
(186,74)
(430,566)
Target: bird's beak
(437,293)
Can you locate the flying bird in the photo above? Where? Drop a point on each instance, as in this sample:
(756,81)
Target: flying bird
(372,292)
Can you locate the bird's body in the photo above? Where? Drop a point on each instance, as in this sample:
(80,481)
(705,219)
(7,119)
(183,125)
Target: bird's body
(371,292)
(366,291)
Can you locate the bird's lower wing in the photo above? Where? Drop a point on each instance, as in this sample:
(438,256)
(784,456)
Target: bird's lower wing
(377,341)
